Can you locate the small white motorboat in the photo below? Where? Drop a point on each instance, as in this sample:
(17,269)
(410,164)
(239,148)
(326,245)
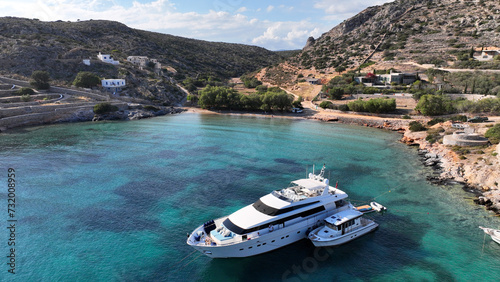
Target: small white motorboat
(495,234)
(378,207)
(341,228)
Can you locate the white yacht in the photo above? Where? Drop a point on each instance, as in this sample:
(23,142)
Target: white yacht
(275,220)
(341,228)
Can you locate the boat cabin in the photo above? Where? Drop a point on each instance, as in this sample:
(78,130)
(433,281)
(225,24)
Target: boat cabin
(344,220)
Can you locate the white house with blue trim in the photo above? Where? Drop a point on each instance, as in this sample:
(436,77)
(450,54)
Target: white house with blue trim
(113,85)
(106,58)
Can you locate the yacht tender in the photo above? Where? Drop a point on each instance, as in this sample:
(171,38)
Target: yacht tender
(341,228)
(275,220)
(495,234)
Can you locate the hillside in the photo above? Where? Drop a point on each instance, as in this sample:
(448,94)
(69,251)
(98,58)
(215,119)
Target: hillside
(59,47)
(440,32)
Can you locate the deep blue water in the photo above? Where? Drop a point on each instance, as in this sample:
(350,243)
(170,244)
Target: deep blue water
(113,201)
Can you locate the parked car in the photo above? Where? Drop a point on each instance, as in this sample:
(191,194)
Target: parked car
(297,110)
(477,119)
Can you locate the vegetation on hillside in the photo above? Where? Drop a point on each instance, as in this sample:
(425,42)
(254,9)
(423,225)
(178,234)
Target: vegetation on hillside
(86,79)
(40,80)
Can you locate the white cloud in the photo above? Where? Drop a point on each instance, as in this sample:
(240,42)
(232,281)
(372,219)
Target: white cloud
(241,10)
(270,8)
(287,35)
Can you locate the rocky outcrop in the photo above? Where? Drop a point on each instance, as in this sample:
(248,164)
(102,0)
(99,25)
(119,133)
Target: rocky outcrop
(310,42)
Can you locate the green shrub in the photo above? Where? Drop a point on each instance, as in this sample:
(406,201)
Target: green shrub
(493,134)
(26,98)
(435,121)
(103,108)
(151,108)
(417,126)
(406,117)
(343,107)
(326,104)
(25,91)
(461,118)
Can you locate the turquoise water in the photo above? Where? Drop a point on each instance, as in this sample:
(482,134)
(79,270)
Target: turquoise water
(113,201)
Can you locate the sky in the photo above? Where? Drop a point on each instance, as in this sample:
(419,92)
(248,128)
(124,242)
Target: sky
(272,24)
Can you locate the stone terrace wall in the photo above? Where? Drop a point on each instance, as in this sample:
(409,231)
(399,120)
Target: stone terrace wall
(39,109)
(39,118)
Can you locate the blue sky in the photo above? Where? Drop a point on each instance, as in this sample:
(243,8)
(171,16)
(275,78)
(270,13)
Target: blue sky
(274,24)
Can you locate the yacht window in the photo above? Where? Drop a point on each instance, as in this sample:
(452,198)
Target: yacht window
(240,231)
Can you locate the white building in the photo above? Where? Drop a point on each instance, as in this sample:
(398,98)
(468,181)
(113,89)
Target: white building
(142,61)
(113,85)
(486,55)
(107,59)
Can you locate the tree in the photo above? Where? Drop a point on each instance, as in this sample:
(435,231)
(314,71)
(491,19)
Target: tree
(434,105)
(219,97)
(336,93)
(86,79)
(340,69)
(40,80)
(103,108)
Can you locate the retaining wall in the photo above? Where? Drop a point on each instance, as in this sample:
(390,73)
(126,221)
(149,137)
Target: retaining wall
(49,117)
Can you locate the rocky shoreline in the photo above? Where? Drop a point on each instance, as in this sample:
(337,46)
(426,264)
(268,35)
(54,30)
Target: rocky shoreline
(124,114)
(478,174)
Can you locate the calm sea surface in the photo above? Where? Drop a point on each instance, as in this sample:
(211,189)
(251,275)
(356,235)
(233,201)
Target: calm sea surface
(113,201)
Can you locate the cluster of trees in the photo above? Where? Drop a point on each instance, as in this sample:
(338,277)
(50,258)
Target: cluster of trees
(221,97)
(438,104)
(377,105)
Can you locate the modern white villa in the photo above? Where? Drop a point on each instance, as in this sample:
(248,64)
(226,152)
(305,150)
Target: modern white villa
(106,58)
(113,85)
(387,79)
